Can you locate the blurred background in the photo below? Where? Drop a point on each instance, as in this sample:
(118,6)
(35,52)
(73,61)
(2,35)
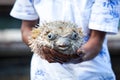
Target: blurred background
(15,56)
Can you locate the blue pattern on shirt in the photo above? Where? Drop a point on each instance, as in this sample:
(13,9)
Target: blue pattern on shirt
(111,4)
(40,72)
(36,1)
(31,1)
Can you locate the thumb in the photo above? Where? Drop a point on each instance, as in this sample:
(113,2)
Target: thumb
(81,52)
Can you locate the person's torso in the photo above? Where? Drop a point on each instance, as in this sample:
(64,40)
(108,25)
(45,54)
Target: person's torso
(77,11)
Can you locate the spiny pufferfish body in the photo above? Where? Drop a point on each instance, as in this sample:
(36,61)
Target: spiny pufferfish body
(65,37)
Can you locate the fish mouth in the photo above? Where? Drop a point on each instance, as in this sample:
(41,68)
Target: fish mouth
(63,48)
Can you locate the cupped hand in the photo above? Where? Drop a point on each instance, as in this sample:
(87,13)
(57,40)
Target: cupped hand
(92,48)
(53,56)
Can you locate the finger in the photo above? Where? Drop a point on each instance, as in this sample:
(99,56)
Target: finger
(81,52)
(57,59)
(53,57)
(49,59)
(50,55)
(57,56)
(47,54)
(54,51)
(46,50)
(77,60)
(61,57)
(41,53)
(57,53)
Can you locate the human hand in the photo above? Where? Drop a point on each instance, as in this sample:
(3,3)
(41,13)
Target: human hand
(91,49)
(88,51)
(53,56)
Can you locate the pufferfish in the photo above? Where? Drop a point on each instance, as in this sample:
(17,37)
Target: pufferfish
(65,37)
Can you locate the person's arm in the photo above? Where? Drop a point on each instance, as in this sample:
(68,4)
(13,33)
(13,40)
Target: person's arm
(93,46)
(26,28)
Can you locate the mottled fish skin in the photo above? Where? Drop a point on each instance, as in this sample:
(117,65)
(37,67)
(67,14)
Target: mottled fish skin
(64,37)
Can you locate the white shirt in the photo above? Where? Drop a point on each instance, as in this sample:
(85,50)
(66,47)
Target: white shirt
(102,15)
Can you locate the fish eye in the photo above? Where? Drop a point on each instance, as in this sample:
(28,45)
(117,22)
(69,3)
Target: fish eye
(51,36)
(74,36)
